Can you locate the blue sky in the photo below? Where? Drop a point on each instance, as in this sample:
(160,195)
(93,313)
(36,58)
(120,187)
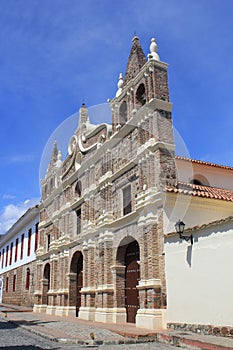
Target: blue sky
(56,54)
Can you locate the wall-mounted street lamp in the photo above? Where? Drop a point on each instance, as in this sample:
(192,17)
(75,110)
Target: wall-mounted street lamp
(179,226)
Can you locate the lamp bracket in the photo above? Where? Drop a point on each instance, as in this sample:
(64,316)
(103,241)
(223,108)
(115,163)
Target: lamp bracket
(187,238)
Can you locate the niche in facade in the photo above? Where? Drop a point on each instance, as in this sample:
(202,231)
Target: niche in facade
(123,112)
(78,188)
(141,95)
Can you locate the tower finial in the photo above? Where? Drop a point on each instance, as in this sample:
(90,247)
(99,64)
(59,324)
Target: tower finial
(153,51)
(83,114)
(119,85)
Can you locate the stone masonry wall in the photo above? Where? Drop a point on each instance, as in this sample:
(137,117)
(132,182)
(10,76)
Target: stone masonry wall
(21,295)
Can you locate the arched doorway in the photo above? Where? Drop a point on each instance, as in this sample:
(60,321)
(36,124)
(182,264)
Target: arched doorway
(46,284)
(132,277)
(127,277)
(76,283)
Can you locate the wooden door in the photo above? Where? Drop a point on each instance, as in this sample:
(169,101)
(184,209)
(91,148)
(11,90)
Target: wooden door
(79,284)
(132,276)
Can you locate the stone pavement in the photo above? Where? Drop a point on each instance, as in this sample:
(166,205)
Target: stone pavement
(72,330)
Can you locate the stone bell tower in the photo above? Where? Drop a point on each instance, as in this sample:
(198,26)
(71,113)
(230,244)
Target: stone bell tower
(144,91)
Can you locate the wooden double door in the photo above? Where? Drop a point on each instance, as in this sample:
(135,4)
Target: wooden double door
(132,277)
(79,283)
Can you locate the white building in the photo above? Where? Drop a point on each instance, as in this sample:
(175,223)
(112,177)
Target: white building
(17,259)
(199,275)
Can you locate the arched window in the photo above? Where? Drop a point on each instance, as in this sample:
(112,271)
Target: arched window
(141,95)
(200,180)
(196,182)
(123,112)
(27,278)
(78,188)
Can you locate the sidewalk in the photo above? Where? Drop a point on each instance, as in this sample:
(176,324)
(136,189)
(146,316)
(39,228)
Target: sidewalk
(75,331)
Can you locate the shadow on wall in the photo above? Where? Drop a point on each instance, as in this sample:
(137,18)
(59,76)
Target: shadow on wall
(189,255)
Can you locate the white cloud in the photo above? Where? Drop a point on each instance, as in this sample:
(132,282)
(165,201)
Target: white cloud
(21,158)
(8,196)
(12,212)
(17,158)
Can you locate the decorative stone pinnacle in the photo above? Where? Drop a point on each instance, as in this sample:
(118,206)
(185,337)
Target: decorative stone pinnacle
(120,81)
(83,114)
(153,51)
(135,38)
(119,85)
(59,159)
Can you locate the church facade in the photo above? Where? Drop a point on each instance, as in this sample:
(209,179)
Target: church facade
(108,210)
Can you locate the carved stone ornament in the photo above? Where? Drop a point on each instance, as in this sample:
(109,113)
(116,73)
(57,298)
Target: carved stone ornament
(72,145)
(78,160)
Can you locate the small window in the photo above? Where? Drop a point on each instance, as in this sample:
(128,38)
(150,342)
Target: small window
(3,252)
(36,236)
(78,213)
(78,188)
(22,246)
(127,200)
(7,284)
(27,278)
(11,252)
(196,182)
(14,282)
(123,113)
(29,241)
(16,249)
(7,251)
(48,242)
(141,95)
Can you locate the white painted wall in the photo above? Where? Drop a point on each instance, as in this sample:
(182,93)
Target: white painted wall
(215,176)
(29,224)
(193,211)
(200,277)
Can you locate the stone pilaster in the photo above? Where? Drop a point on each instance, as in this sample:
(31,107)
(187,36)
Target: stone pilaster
(87,309)
(106,289)
(118,278)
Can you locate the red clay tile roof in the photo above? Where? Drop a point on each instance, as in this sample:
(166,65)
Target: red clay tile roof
(204,162)
(212,223)
(201,191)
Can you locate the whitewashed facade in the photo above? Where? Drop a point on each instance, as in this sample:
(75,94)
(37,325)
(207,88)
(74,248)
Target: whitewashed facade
(17,259)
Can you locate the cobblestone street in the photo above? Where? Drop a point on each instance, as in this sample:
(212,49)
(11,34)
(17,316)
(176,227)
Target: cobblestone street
(15,338)
(22,329)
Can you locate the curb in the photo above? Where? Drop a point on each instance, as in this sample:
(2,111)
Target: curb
(183,342)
